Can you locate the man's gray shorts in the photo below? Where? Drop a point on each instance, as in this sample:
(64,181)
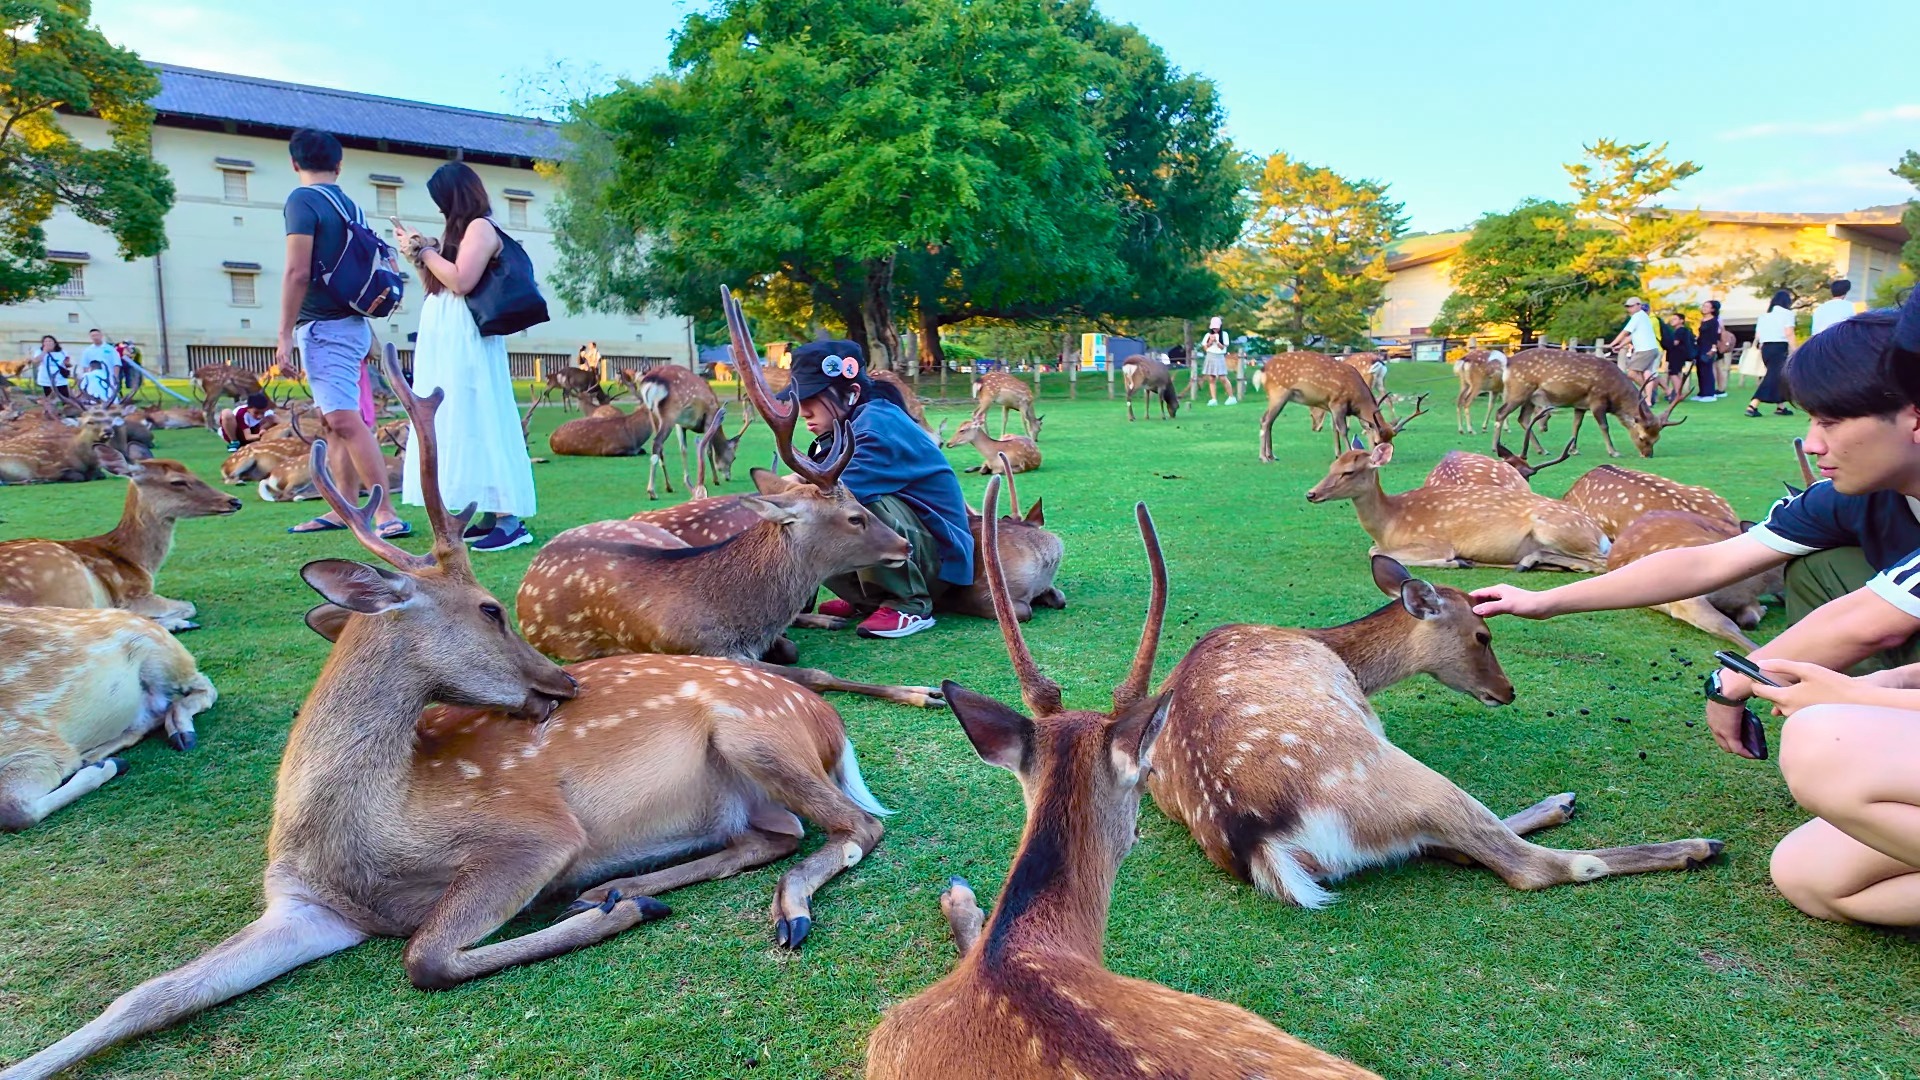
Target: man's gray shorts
(331,352)
(1639,362)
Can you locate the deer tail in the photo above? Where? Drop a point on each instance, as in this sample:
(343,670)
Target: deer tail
(846,775)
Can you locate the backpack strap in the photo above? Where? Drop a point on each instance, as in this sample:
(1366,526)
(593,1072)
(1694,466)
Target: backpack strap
(356,218)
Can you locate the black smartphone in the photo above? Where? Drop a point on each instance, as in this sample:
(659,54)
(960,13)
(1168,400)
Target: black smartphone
(1737,663)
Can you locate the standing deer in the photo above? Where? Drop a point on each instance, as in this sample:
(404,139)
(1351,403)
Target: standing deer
(1616,497)
(1155,379)
(1481,371)
(525,781)
(116,569)
(609,432)
(677,400)
(1462,525)
(120,677)
(1015,452)
(1284,775)
(915,408)
(1029,558)
(1725,612)
(574,384)
(1002,389)
(1321,382)
(216,381)
(1031,995)
(1554,378)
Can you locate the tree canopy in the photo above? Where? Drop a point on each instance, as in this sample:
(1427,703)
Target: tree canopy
(1516,271)
(51,60)
(1616,187)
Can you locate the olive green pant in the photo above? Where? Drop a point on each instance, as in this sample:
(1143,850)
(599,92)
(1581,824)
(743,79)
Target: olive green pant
(1813,580)
(908,589)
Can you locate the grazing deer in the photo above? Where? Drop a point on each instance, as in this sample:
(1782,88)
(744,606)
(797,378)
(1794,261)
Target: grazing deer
(216,381)
(1031,995)
(915,408)
(1725,612)
(119,678)
(116,570)
(1155,380)
(1554,378)
(614,587)
(574,384)
(1321,382)
(1616,497)
(1372,369)
(1481,371)
(677,400)
(1282,772)
(1462,525)
(438,824)
(1029,558)
(1015,452)
(608,432)
(1002,389)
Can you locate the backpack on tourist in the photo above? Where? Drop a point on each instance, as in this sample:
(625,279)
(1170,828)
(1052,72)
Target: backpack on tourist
(366,277)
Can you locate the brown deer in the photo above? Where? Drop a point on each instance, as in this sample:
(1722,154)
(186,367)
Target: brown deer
(1480,372)
(1616,497)
(1555,378)
(575,385)
(1725,612)
(1281,770)
(216,381)
(523,782)
(1031,995)
(1010,393)
(1029,558)
(1016,452)
(120,677)
(1321,382)
(915,408)
(1153,379)
(116,569)
(1511,471)
(608,432)
(1372,369)
(46,451)
(677,400)
(1462,525)
(175,419)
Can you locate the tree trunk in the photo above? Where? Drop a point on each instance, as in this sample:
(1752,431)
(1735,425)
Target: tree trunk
(876,313)
(932,353)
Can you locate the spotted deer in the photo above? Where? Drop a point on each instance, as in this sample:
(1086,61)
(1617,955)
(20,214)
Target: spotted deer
(1283,773)
(1010,393)
(677,400)
(1372,368)
(1725,613)
(116,569)
(1153,379)
(915,408)
(1321,382)
(1031,995)
(574,385)
(1481,371)
(175,419)
(53,450)
(214,382)
(1462,525)
(1616,497)
(1029,558)
(1555,378)
(1015,452)
(77,687)
(611,782)
(608,432)
(1511,471)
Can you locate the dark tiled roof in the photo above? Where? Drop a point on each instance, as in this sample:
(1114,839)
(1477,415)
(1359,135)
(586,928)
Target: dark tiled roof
(191,93)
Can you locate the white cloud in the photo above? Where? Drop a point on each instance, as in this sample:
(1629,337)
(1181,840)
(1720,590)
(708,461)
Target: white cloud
(1848,125)
(245,39)
(1847,186)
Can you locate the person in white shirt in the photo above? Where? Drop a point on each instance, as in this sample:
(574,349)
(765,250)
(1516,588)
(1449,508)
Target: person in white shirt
(106,354)
(1837,310)
(1642,339)
(51,368)
(1773,332)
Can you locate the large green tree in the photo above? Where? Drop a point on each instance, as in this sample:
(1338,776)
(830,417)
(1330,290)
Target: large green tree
(1311,263)
(1516,271)
(1617,187)
(51,61)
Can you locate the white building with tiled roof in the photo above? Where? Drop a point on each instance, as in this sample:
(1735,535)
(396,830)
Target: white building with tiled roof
(214,293)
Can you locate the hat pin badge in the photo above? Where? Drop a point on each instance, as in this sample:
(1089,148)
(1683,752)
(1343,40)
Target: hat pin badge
(830,366)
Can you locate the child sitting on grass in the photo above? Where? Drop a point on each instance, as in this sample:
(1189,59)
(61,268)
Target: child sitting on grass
(243,424)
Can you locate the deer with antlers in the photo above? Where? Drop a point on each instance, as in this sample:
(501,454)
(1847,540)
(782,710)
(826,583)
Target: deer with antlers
(1555,378)
(1282,772)
(1010,393)
(1616,497)
(1321,382)
(1726,612)
(51,449)
(1152,379)
(1462,525)
(1511,470)
(1015,452)
(116,569)
(1031,995)
(678,400)
(1481,371)
(521,781)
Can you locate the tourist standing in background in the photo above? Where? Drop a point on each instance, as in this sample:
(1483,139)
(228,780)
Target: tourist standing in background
(1641,341)
(1680,345)
(1837,310)
(107,356)
(51,368)
(1707,352)
(1774,334)
(1214,348)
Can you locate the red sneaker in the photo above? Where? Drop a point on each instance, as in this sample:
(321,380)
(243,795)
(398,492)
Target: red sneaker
(838,609)
(888,623)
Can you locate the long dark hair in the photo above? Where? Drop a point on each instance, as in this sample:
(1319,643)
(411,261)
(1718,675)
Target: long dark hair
(1781,299)
(460,195)
(870,389)
(44,338)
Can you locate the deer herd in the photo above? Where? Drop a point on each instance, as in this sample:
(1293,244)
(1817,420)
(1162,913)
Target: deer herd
(636,723)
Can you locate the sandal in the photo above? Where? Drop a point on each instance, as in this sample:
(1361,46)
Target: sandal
(317,525)
(1783,411)
(394,530)
(1751,411)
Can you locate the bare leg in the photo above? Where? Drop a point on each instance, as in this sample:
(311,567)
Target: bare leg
(1855,768)
(361,466)
(963,914)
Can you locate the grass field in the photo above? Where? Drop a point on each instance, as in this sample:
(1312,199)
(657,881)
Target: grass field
(1423,970)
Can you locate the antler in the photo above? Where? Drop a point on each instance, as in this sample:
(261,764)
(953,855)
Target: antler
(1800,455)
(293,421)
(1013,496)
(448,549)
(1041,694)
(747,359)
(1519,463)
(1135,686)
(1419,407)
(716,429)
(360,518)
(1666,418)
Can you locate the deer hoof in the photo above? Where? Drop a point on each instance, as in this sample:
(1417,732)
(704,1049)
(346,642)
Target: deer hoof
(183,626)
(182,740)
(791,932)
(120,768)
(933,698)
(1714,848)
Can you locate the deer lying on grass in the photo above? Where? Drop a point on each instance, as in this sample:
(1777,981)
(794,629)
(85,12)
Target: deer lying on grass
(1015,452)
(116,569)
(175,419)
(677,400)
(712,584)
(575,385)
(50,451)
(525,782)
(1462,525)
(1724,613)
(1029,558)
(216,381)
(1480,372)
(1512,471)
(915,408)
(1155,380)
(1554,378)
(1031,995)
(1000,388)
(1321,382)
(76,687)
(1282,771)
(608,432)
(1616,497)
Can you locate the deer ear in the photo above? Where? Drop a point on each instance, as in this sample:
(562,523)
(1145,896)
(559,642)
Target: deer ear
(1381,455)
(1389,575)
(357,586)
(768,482)
(328,620)
(1034,514)
(1421,599)
(1134,733)
(999,735)
(772,507)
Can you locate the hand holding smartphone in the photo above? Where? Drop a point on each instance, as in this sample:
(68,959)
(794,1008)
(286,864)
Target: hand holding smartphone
(1753,735)
(1736,663)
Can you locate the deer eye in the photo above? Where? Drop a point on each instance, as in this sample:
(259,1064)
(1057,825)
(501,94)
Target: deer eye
(1483,638)
(176,483)
(859,520)
(492,611)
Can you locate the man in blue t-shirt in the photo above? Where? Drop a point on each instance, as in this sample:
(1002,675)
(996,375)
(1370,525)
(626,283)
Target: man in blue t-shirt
(1851,542)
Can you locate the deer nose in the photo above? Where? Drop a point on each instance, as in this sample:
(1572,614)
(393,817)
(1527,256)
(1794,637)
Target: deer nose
(233,504)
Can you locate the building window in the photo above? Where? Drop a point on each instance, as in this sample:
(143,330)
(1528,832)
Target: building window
(386,200)
(517,213)
(241,286)
(235,181)
(75,287)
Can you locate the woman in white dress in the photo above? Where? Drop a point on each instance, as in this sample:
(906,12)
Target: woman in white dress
(483,455)
(1214,348)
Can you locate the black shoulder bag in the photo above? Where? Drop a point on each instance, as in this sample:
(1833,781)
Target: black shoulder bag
(507,299)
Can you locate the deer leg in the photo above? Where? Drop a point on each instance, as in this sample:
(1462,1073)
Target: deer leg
(1698,612)
(1130,407)
(1485,421)
(173,615)
(1545,814)
(31,787)
(1052,598)
(808,620)
(852,834)
(1266,428)
(818,681)
(1606,434)
(1316,417)
(756,847)
(783,651)
(963,914)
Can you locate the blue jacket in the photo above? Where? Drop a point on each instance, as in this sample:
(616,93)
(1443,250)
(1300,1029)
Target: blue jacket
(892,455)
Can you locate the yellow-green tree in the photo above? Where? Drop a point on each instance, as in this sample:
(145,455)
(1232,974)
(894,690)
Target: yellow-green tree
(1615,188)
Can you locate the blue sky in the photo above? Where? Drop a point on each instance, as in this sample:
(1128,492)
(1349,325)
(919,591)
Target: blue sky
(1462,107)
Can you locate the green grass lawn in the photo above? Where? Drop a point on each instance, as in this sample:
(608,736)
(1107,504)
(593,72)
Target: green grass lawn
(1422,970)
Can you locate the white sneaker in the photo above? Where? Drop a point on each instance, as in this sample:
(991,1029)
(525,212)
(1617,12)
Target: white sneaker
(1233,400)
(1212,402)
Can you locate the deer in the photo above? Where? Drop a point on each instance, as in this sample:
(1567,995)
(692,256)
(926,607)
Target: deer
(608,432)
(117,569)
(678,400)
(1616,497)
(1000,388)
(613,782)
(1015,452)
(574,384)
(216,381)
(54,450)
(1372,369)
(120,678)
(1283,773)
(1462,525)
(1511,471)
(1031,995)
(1322,382)
(915,408)
(1555,378)
(1154,379)
(175,419)
(1725,613)
(636,586)
(1029,558)
(1481,371)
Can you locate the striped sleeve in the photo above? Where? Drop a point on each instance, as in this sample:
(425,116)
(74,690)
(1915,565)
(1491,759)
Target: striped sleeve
(1805,523)
(1900,585)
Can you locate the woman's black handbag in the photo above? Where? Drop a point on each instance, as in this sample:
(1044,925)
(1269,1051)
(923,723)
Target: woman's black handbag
(507,300)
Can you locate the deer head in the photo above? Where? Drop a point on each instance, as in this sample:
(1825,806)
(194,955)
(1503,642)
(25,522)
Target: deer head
(1644,428)
(1352,473)
(169,489)
(1449,642)
(428,612)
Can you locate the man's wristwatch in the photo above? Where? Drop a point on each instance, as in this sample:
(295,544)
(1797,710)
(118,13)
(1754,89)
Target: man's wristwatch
(1714,695)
